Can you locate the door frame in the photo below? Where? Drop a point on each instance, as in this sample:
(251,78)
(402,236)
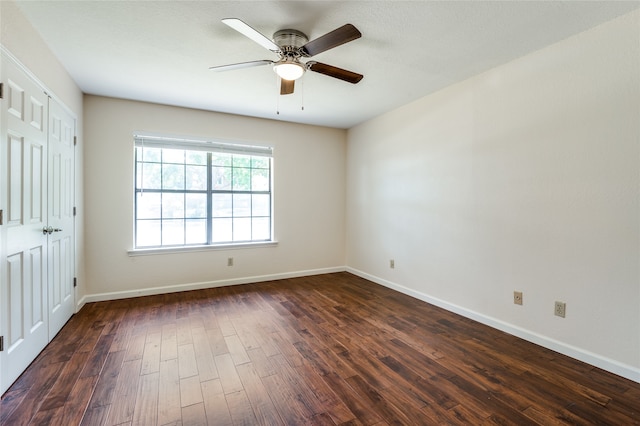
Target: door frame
(7,56)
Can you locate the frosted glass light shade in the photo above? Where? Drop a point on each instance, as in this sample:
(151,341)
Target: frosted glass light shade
(289,70)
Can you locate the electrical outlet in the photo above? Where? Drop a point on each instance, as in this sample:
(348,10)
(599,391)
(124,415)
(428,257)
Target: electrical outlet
(230,261)
(517,297)
(560,309)
(392,264)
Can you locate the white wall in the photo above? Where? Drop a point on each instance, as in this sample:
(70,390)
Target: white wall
(19,38)
(523,178)
(309,200)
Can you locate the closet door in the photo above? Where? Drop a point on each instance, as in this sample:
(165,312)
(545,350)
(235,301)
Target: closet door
(61,252)
(23,250)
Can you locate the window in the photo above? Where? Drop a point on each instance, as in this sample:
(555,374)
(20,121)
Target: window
(193,193)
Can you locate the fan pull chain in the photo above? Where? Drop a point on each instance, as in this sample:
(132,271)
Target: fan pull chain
(277,95)
(302,101)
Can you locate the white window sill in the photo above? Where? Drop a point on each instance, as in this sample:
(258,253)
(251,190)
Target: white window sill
(170,250)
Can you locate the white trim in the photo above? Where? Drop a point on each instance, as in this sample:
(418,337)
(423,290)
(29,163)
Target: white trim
(613,366)
(627,371)
(37,81)
(185,249)
(101,297)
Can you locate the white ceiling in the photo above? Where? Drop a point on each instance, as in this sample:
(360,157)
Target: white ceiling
(160,51)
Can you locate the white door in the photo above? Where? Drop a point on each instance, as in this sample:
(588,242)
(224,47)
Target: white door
(60,217)
(23,250)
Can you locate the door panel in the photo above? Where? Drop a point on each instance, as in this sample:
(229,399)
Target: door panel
(23,249)
(60,217)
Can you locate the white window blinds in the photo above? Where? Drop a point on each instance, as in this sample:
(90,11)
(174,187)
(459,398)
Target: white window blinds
(193,144)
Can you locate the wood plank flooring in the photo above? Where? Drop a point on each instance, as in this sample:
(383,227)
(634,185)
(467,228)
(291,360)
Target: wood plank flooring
(324,350)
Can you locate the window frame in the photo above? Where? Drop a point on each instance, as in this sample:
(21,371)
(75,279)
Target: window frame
(211,148)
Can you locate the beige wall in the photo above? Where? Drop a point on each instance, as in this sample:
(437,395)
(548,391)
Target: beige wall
(523,178)
(21,39)
(309,198)
(23,43)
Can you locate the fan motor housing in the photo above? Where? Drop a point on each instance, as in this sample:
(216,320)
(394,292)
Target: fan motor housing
(290,39)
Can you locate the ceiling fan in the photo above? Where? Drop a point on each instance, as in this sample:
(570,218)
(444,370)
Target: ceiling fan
(291,46)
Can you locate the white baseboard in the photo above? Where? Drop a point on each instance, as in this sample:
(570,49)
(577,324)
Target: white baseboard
(101,297)
(613,366)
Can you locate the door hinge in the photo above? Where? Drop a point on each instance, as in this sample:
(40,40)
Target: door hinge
(75,140)
(75,282)
(1,343)
(74,212)
(1,217)
(1,90)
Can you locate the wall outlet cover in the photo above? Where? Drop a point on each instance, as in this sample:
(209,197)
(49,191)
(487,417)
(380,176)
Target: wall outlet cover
(517,297)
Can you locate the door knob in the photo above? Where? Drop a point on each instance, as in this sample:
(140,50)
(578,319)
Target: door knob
(50,230)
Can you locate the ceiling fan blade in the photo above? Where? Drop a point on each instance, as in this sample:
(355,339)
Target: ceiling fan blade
(286,86)
(342,35)
(254,35)
(335,72)
(241,65)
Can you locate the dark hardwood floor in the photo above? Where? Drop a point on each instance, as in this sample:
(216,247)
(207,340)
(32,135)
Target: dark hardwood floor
(322,350)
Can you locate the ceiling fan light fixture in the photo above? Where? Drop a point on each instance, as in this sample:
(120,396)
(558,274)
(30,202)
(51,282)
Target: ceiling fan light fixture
(289,70)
